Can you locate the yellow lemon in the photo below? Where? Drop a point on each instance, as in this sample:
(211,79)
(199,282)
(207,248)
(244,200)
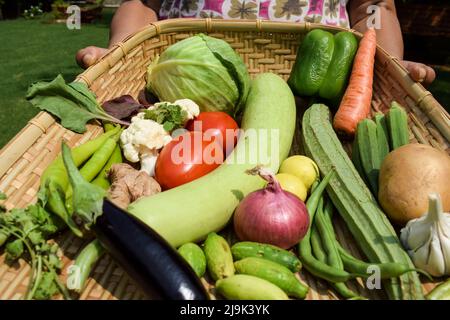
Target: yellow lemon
(292,184)
(302,167)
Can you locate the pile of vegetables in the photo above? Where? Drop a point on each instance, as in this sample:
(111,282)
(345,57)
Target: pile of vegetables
(270,105)
(247,270)
(199,158)
(355,203)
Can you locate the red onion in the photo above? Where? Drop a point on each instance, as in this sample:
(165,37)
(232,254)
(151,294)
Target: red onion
(271,215)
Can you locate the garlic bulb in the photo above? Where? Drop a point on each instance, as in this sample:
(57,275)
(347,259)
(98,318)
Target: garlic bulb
(427,239)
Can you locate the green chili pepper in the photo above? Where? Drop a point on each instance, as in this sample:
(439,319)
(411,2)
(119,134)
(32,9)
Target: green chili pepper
(56,171)
(102,179)
(55,181)
(108,126)
(56,205)
(94,165)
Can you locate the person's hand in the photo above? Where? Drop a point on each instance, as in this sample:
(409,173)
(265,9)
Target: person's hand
(420,72)
(89,55)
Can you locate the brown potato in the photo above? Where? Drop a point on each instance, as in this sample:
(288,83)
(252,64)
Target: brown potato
(407,176)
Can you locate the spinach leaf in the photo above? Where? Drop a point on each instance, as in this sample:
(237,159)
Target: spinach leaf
(74,104)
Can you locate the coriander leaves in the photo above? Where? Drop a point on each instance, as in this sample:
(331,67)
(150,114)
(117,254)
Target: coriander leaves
(27,231)
(171,116)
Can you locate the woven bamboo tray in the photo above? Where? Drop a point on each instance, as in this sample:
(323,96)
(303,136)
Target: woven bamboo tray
(265,47)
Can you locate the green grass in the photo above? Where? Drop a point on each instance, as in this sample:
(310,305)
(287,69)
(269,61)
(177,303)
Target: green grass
(32,51)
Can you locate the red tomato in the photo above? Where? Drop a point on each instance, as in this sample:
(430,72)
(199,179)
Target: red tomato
(217,126)
(186,158)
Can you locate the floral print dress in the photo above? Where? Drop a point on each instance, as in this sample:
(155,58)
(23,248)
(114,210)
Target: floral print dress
(330,12)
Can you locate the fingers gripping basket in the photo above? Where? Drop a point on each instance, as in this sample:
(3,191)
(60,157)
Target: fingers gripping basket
(265,47)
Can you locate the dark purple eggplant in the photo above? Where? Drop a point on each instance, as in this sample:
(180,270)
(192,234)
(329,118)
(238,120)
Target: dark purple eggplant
(153,264)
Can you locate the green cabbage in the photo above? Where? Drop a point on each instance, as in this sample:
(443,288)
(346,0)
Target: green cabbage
(204,69)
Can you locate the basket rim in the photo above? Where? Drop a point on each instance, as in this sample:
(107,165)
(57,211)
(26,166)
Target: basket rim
(424,99)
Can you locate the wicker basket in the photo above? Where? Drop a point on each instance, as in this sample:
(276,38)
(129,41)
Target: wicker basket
(265,47)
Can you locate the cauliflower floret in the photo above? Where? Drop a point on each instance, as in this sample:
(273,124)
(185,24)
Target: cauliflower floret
(148,161)
(191,108)
(129,151)
(142,140)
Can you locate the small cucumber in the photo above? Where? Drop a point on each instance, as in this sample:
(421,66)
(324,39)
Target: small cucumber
(245,287)
(397,123)
(194,256)
(274,273)
(219,260)
(369,152)
(248,249)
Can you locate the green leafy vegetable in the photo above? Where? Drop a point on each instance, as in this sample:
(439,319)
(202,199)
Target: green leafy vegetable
(203,69)
(28,230)
(14,249)
(73,103)
(171,116)
(87,198)
(47,287)
(233,62)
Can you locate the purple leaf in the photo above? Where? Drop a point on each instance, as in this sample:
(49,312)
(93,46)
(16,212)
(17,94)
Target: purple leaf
(122,107)
(146,98)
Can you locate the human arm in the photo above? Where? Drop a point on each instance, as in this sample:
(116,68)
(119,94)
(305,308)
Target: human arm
(389,35)
(131,16)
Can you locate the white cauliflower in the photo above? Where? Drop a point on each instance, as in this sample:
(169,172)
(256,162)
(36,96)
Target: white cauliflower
(191,108)
(142,140)
(148,161)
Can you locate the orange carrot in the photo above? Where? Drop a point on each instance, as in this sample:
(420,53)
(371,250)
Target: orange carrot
(355,104)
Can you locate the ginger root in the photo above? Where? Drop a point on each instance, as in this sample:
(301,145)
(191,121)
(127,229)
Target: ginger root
(129,184)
